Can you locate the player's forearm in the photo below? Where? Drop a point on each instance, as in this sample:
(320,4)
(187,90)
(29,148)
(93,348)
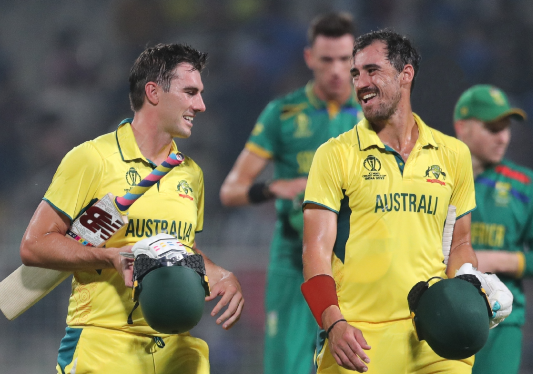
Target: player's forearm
(500,262)
(234,193)
(55,251)
(214,272)
(459,255)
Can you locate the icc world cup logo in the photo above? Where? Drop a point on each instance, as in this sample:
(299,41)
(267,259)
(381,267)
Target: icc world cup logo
(372,163)
(132,177)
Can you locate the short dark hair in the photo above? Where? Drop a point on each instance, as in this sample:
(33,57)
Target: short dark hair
(157,64)
(400,50)
(333,25)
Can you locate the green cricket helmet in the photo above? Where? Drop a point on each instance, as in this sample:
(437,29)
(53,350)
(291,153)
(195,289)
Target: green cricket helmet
(451,315)
(171,295)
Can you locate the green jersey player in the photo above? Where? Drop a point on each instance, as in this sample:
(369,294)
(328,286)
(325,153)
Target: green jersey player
(288,132)
(502,224)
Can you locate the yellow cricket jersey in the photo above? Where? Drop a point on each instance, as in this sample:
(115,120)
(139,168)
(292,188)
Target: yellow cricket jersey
(113,163)
(390,215)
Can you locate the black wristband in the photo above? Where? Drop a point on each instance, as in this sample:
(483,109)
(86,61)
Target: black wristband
(333,324)
(259,193)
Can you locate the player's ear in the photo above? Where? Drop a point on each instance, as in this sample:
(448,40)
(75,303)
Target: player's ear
(152,93)
(407,75)
(308,57)
(460,128)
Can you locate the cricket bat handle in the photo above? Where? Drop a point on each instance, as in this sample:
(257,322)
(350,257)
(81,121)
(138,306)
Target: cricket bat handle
(124,202)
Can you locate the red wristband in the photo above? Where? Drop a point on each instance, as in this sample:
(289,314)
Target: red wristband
(320,293)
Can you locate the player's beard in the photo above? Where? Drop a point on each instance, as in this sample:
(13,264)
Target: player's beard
(384,110)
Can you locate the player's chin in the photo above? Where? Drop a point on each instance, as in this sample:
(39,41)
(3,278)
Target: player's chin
(183,133)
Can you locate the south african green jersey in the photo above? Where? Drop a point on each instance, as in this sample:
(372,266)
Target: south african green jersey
(288,131)
(503,221)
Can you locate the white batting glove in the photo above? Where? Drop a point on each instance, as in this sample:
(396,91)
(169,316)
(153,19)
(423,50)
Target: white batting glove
(500,298)
(161,245)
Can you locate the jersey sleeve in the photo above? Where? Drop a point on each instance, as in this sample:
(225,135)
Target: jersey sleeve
(201,200)
(263,139)
(326,178)
(463,195)
(76,181)
(527,265)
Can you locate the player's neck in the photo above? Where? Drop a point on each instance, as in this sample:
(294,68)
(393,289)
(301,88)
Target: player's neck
(340,98)
(399,131)
(154,144)
(478,166)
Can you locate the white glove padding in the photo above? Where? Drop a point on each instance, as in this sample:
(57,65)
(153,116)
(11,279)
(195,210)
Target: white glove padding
(161,245)
(500,298)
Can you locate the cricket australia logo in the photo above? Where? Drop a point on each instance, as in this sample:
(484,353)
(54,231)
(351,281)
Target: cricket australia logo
(184,187)
(373,165)
(436,172)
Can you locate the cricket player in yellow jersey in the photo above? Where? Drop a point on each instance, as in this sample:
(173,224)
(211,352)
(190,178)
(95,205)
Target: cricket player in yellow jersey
(165,94)
(374,210)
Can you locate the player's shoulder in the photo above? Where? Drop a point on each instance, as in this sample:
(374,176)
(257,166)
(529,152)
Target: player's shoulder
(447,142)
(292,103)
(512,170)
(343,142)
(189,163)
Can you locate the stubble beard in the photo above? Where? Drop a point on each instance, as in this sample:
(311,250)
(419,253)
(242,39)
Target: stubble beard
(384,111)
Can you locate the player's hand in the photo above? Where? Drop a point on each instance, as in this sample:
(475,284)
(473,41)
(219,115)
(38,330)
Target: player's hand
(500,298)
(230,289)
(124,265)
(347,345)
(287,188)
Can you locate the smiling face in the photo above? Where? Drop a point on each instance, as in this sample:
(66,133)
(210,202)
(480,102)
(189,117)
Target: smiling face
(376,82)
(329,59)
(178,107)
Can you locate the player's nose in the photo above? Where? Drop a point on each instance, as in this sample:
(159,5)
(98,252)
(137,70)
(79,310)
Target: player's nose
(198,104)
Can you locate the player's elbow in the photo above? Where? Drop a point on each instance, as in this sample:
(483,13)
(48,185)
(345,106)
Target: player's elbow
(27,253)
(226,196)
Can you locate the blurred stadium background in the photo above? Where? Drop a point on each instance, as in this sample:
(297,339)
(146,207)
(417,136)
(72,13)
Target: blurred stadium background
(64,66)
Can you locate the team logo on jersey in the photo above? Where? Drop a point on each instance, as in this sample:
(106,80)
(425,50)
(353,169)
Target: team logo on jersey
(301,124)
(437,172)
(502,193)
(258,129)
(184,187)
(373,165)
(132,177)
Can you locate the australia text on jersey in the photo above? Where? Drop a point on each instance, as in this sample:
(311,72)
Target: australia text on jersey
(406,202)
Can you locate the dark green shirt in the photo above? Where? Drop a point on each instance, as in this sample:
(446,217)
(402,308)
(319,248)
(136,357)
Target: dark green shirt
(503,221)
(288,131)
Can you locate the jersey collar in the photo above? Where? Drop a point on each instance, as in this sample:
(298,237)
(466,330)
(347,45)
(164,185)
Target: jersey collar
(319,104)
(127,145)
(367,137)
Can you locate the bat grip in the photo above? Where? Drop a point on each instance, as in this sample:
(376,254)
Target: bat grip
(124,202)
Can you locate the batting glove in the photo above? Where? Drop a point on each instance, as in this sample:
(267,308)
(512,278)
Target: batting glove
(500,298)
(159,246)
